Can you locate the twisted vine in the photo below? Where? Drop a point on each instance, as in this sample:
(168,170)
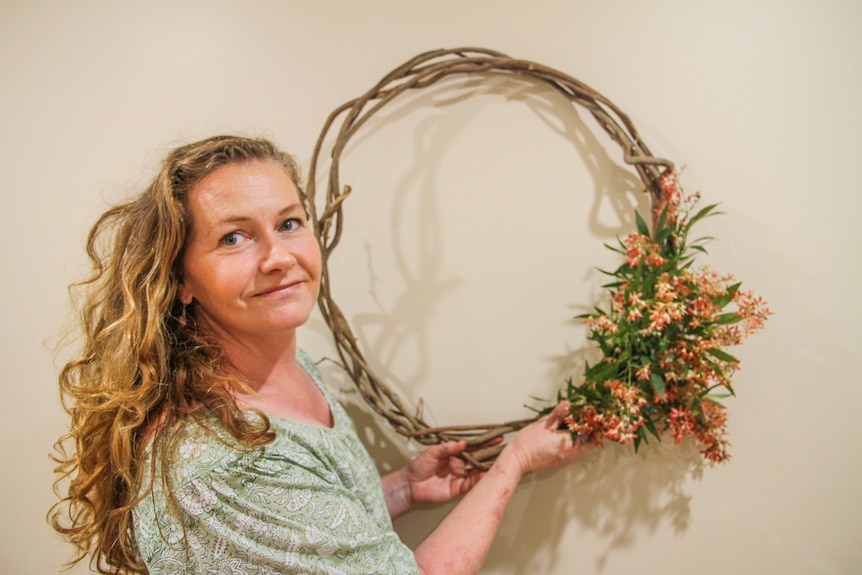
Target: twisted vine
(416,74)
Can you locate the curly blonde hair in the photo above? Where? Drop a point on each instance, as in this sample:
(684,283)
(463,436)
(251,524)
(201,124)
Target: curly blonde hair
(143,367)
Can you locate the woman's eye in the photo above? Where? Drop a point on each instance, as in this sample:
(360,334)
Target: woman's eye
(291,224)
(231,239)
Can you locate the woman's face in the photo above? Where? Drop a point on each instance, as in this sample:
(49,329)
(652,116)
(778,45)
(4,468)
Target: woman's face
(251,261)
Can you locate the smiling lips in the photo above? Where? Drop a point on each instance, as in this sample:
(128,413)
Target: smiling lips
(279,288)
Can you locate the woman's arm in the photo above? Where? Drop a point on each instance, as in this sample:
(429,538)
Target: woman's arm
(461,542)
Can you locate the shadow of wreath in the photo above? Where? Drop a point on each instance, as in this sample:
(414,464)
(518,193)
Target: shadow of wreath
(426,281)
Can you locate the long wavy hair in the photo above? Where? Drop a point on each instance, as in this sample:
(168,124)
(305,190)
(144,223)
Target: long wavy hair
(143,366)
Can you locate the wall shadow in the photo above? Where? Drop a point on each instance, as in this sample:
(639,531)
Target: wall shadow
(404,321)
(613,494)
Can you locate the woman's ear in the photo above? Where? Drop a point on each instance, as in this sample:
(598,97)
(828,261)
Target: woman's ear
(184,294)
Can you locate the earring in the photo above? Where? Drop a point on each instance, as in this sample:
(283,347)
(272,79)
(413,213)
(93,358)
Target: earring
(183,320)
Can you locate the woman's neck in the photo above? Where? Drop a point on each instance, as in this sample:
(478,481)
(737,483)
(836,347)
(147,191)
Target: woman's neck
(261,365)
(279,385)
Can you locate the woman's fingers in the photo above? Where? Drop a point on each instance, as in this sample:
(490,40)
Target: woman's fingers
(558,416)
(449,449)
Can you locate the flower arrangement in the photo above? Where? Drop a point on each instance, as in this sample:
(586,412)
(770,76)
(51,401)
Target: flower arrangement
(664,338)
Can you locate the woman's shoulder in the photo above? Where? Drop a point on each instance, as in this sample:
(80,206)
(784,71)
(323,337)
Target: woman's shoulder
(205,450)
(197,447)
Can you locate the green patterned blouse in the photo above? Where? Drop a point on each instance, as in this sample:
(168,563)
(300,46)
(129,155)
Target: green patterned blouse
(310,502)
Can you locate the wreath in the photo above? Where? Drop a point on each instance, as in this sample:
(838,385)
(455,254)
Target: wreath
(663,338)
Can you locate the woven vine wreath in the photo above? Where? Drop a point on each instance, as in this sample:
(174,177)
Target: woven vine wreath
(590,414)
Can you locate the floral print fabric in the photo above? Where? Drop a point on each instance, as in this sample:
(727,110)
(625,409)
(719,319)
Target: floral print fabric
(310,502)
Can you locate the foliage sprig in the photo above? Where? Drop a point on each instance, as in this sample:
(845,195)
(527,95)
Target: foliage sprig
(664,337)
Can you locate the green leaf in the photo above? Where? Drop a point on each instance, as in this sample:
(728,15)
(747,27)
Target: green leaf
(688,263)
(601,371)
(722,300)
(728,318)
(640,437)
(707,211)
(616,250)
(722,355)
(703,240)
(708,390)
(650,425)
(657,384)
(643,228)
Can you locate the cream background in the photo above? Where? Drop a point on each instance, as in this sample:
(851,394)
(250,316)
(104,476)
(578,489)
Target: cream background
(468,306)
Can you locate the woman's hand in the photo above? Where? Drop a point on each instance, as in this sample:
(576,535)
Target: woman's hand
(461,541)
(543,445)
(437,475)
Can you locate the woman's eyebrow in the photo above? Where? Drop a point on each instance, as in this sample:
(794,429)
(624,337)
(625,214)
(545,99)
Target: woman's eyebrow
(235,219)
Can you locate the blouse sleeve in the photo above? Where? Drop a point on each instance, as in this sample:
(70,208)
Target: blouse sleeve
(256,513)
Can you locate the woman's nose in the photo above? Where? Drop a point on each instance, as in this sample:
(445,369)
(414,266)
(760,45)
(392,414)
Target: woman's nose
(276,255)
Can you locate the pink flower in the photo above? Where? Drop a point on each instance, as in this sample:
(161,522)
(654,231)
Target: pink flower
(643,373)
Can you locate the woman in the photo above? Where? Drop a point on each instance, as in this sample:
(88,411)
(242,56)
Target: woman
(204,441)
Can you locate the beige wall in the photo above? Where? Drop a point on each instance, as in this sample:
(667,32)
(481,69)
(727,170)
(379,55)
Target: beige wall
(473,235)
